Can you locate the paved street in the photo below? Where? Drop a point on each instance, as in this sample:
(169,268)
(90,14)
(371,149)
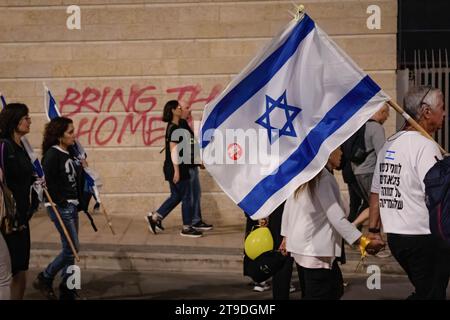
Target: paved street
(135,264)
(168,285)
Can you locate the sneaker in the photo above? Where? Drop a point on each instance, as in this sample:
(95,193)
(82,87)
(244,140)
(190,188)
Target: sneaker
(292,288)
(44,286)
(191,232)
(261,287)
(151,224)
(202,226)
(67,294)
(159,225)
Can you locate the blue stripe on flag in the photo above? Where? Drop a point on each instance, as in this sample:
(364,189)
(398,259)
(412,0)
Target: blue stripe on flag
(90,181)
(53,111)
(258,78)
(351,103)
(3,101)
(38,168)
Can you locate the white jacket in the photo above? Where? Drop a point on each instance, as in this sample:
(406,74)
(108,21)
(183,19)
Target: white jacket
(315,222)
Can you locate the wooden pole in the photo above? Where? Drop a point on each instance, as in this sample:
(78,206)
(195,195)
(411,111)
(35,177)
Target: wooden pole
(58,216)
(413,123)
(107,219)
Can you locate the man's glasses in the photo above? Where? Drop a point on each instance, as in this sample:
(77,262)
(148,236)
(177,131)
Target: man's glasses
(423,98)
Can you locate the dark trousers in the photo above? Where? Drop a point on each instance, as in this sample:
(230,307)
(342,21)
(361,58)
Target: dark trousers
(281,281)
(425,261)
(179,192)
(441,273)
(321,284)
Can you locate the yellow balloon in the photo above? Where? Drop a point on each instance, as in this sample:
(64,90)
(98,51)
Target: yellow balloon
(258,242)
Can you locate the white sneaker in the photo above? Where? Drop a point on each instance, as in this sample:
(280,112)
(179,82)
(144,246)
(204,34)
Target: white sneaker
(261,287)
(384,254)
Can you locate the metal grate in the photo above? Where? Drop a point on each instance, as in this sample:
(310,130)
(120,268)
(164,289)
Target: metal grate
(430,69)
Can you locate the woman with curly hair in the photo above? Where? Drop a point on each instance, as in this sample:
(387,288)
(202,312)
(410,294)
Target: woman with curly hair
(63,174)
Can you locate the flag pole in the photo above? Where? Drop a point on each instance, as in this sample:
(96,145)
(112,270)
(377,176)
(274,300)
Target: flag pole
(108,220)
(99,206)
(299,10)
(413,123)
(55,210)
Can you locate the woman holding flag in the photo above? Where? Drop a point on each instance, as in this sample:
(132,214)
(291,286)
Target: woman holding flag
(313,225)
(64,182)
(18,176)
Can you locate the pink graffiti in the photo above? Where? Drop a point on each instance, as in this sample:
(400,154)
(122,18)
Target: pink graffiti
(102,127)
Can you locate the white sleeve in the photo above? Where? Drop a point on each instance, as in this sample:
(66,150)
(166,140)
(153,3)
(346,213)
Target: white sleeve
(335,214)
(285,217)
(426,159)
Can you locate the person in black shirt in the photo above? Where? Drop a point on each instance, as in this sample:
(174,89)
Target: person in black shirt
(194,180)
(176,172)
(63,174)
(18,175)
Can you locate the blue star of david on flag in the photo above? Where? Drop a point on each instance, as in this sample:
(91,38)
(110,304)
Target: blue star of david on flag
(290,111)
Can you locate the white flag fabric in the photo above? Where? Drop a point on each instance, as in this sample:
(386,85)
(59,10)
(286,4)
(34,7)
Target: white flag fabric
(306,96)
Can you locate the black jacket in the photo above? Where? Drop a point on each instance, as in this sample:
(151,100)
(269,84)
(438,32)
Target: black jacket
(18,174)
(64,177)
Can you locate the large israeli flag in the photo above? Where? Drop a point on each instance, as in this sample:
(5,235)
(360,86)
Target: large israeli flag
(305,97)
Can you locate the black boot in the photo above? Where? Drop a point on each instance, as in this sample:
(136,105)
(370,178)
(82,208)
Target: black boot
(67,294)
(45,286)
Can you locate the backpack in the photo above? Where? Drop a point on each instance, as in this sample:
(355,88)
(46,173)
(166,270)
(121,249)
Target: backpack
(437,198)
(8,217)
(357,146)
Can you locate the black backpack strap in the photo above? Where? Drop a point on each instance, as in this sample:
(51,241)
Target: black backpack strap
(4,142)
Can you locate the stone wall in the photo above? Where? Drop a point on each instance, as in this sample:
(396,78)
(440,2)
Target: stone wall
(115,74)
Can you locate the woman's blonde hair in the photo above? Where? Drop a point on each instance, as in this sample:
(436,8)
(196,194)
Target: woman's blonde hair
(311,184)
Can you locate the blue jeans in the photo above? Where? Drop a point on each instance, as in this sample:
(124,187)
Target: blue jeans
(179,192)
(196,193)
(69,215)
